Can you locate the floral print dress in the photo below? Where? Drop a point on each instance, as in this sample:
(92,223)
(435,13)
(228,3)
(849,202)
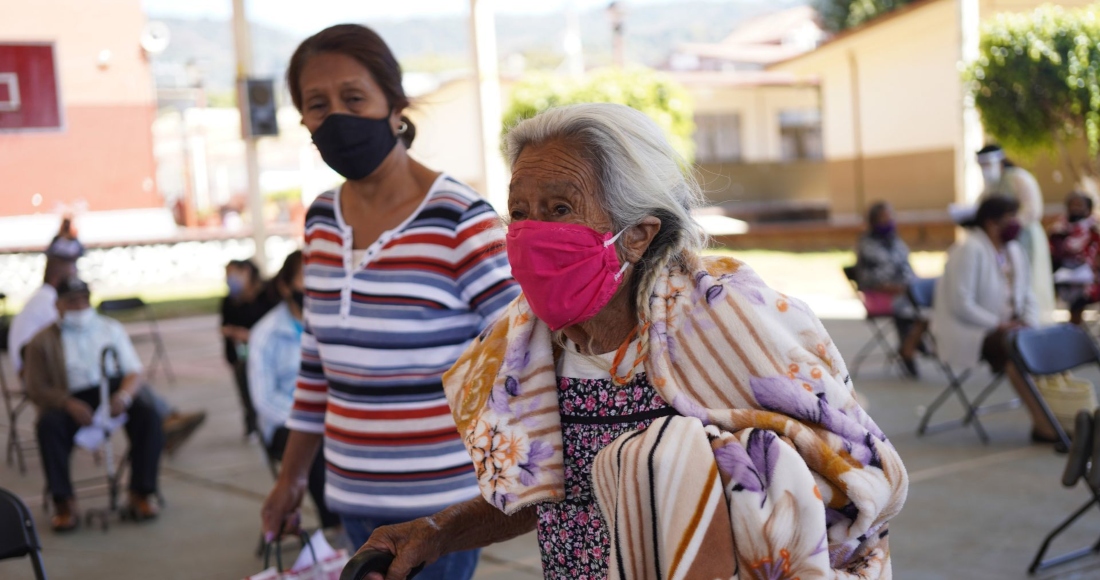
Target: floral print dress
(594,412)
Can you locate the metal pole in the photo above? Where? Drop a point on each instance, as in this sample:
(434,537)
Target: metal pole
(616,13)
(243,43)
(968,181)
(857,135)
(483,33)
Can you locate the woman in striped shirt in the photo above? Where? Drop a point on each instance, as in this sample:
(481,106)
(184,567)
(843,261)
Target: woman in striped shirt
(404,266)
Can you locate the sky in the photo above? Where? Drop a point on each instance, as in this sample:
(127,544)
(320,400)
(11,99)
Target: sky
(305,16)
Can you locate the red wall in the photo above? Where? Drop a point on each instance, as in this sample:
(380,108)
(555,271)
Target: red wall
(102,157)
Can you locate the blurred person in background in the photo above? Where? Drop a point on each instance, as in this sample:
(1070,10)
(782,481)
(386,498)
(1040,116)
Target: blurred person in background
(249,299)
(66,239)
(62,373)
(1003,177)
(882,267)
(1075,255)
(404,266)
(984,295)
(40,311)
(274,357)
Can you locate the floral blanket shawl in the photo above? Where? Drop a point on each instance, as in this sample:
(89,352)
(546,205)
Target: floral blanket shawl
(770,444)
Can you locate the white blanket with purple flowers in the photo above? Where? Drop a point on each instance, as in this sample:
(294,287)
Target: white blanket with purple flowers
(772,470)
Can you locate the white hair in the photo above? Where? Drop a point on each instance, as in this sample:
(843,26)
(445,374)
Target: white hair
(640,175)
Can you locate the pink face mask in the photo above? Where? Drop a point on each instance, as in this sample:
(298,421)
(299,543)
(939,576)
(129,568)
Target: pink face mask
(568,272)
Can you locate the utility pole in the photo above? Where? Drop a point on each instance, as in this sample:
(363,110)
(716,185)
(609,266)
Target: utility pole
(243,42)
(574,49)
(483,34)
(968,182)
(617,15)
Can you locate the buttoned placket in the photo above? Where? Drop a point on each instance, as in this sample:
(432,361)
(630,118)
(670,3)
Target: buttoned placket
(350,267)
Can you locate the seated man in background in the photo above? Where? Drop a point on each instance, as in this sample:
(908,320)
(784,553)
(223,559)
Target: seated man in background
(62,374)
(1075,255)
(274,360)
(883,273)
(40,311)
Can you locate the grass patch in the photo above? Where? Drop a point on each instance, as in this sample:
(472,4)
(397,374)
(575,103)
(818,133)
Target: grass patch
(174,308)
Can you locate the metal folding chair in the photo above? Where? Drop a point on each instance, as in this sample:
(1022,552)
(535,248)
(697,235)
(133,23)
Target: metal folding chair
(15,401)
(18,537)
(1050,351)
(973,408)
(878,320)
(922,293)
(150,334)
(1083,462)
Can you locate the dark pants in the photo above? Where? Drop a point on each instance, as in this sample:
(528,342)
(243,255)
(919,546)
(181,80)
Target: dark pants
(995,350)
(904,326)
(56,429)
(316,477)
(240,375)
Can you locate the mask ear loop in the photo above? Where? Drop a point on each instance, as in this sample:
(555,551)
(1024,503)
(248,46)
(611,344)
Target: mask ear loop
(625,264)
(621,271)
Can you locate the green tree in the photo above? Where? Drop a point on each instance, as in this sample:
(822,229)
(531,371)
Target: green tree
(652,93)
(1037,81)
(838,15)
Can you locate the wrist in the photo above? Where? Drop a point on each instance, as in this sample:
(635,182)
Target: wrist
(293,481)
(126,398)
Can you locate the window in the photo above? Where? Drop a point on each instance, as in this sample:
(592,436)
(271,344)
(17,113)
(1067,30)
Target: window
(800,134)
(718,138)
(28,87)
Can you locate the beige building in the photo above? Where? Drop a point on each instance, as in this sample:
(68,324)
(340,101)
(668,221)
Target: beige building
(758,132)
(447,129)
(892,109)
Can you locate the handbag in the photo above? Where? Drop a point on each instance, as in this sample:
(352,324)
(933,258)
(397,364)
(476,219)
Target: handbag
(320,562)
(878,303)
(1066,394)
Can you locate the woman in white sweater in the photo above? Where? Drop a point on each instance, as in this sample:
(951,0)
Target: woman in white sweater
(984,295)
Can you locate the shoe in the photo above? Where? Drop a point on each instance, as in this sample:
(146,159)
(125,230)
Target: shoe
(910,366)
(141,507)
(67,517)
(1059,447)
(178,427)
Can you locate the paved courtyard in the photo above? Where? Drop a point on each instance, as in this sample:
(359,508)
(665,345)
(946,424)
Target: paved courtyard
(974,511)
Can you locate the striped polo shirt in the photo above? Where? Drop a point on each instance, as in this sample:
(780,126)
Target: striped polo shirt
(379,334)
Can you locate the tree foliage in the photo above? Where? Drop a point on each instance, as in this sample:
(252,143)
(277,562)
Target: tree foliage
(650,92)
(1037,81)
(838,15)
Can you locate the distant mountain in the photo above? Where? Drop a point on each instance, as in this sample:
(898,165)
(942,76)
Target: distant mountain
(652,31)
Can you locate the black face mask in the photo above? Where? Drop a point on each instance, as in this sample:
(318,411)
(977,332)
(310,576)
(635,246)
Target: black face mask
(354,146)
(298,298)
(1076,217)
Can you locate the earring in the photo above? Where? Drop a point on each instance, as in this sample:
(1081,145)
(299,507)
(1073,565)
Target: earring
(402,128)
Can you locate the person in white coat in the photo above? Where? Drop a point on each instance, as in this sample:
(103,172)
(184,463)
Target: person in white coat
(1003,177)
(984,295)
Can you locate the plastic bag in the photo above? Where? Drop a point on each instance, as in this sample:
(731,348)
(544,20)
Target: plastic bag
(317,561)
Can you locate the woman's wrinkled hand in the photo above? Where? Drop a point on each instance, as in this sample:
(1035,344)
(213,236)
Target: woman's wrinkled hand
(411,543)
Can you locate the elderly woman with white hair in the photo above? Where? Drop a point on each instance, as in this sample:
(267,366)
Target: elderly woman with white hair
(651,412)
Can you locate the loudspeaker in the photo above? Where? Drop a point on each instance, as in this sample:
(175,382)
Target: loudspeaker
(260,98)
